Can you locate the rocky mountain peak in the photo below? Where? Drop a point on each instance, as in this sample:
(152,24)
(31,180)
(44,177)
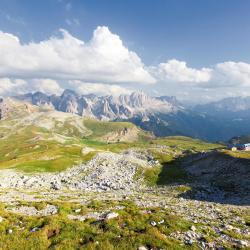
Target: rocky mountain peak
(139,98)
(101,107)
(69,93)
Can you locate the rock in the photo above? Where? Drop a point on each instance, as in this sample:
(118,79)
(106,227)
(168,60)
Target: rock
(111,215)
(193,228)
(211,245)
(34,229)
(1,219)
(105,172)
(9,231)
(142,248)
(50,209)
(229,227)
(118,207)
(161,222)
(153,223)
(78,210)
(56,186)
(76,217)
(189,242)
(242,243)
(32,211)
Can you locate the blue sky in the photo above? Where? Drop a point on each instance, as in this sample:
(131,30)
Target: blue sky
(203,34)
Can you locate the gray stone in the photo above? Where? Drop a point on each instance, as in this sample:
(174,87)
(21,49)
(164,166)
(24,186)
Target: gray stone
(111,215)
(153,223)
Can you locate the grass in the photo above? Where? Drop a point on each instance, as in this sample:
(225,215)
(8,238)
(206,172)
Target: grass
(22,152)
(129,231)
(186,143)
(238,154)
(33,149)
(101,128)
(172,173)
(165,174)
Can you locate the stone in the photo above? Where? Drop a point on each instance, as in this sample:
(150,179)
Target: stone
(111,215)
(35,229)
(142,248)
(78,210)
(189,242)
(193,228)
(153,223)
(243,243)
(76,217)
(161,222)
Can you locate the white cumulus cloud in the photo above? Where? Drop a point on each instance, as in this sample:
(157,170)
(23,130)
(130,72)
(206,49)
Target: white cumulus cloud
(178,71)
(103,59)
(233,73)
(103,65)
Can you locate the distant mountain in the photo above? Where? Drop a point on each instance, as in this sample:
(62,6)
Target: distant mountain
(240,139)
(228,107)
(171,99)
(104,107)
(232,114)
(163,115)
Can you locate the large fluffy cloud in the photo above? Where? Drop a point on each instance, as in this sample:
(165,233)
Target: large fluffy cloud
(226,74)
(103,59)
(233,73)
(221,80)
(177,71)
(102,64)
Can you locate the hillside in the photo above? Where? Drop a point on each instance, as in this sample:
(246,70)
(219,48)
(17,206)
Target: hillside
(51,140)
(74,182)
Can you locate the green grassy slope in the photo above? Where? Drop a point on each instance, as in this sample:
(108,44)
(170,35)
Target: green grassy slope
(49,142)
(52,141)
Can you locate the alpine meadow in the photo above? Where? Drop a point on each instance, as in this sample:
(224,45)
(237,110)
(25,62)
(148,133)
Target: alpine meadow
(124,125)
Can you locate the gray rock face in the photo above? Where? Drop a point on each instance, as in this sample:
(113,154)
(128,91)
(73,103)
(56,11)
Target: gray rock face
(104,107)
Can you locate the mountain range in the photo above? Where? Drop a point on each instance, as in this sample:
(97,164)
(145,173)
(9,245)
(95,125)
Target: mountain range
(164,116)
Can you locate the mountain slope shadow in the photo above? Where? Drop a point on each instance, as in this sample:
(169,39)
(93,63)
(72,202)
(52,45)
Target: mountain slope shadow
(217,176)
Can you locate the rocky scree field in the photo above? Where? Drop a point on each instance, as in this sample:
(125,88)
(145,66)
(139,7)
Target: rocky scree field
(74,183)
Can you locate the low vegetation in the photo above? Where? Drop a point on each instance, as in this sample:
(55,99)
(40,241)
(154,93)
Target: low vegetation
(131,230)
(154,218)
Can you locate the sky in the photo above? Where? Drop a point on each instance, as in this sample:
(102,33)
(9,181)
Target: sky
(196,50)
